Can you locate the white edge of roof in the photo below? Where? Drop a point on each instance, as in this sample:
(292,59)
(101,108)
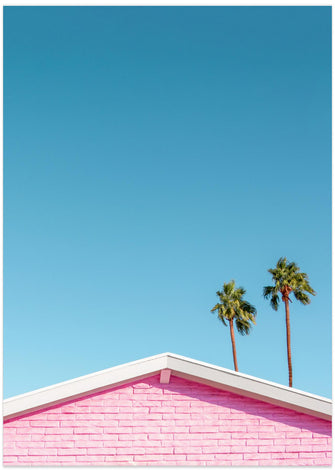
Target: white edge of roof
(181,366)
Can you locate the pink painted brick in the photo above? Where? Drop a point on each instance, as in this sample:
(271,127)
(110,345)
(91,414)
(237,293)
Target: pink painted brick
(322,461)
(162,409)
(182,423)
(130,451)
(60,416)
(159,437)
(286,442)
(21,424)
(283,462)
(217,450)
(82,423)
(9,445)
(21,437)
(320,447)
(244,463)
(312,455)
(113,444)
(147,458)
(61,431)
(101,437)
(14,452)
(314,440)
(154,443)
(200,458)
(284,455)
(271,449)
(299,448)
(228,457)
(95,459)
(242,449)
(257,456)
(85,430)
(58,444)
(168,422)
(173,429)
(149,416)
(158,450)
(195,443)
(266,435)
(101,451)
(183,409)
(9,459)
(135,437)
(36,460)
(261,428)
(72,451)
(298,433)
(38,451)
(207,429)
(45,424)
(83,416)
(263,442)
(61,459)
(25,445)
(188,449)
(135,409)
(10,431)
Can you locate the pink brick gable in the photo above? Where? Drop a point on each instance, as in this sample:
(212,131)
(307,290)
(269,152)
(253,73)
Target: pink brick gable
(146,422)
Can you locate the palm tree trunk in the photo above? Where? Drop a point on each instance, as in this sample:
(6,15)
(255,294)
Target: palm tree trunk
(232,335)
(288,340)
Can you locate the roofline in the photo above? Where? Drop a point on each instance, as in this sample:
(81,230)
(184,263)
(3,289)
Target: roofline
(180,366)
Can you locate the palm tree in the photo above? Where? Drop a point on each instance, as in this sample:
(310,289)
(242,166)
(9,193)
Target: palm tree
(288,278)
(232,307)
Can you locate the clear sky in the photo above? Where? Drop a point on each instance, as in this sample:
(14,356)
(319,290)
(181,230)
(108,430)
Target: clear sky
(150,155)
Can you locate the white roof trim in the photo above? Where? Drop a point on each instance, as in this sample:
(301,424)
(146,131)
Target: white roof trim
(180,366)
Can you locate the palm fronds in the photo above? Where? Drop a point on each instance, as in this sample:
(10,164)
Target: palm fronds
(232,306)
(287,277)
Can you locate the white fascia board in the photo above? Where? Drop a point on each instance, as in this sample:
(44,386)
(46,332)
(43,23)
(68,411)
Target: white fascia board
(80,386)
(251,386)
(184,367)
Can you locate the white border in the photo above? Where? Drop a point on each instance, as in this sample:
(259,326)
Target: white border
(180,366)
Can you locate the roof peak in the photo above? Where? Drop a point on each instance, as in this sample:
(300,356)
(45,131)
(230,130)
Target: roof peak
(180,366)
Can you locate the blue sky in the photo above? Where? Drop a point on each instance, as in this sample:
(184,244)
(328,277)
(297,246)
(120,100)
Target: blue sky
(150,155)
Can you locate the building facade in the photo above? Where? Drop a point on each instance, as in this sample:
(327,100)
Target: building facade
(167,410)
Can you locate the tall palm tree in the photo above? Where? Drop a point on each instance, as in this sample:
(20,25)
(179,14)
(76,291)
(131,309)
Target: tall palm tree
(287,278)
(233,307)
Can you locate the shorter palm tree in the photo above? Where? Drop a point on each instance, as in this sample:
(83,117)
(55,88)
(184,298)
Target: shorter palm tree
(287,278)
(233,307)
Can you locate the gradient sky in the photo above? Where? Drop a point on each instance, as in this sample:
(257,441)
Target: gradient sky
(150,155)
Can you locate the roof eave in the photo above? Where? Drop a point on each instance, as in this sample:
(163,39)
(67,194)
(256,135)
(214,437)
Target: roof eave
(180,366)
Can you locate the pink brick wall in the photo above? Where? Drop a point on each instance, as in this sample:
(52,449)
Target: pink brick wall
(182,423)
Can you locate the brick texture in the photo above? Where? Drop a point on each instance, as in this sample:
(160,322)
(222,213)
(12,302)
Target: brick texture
(182,423)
